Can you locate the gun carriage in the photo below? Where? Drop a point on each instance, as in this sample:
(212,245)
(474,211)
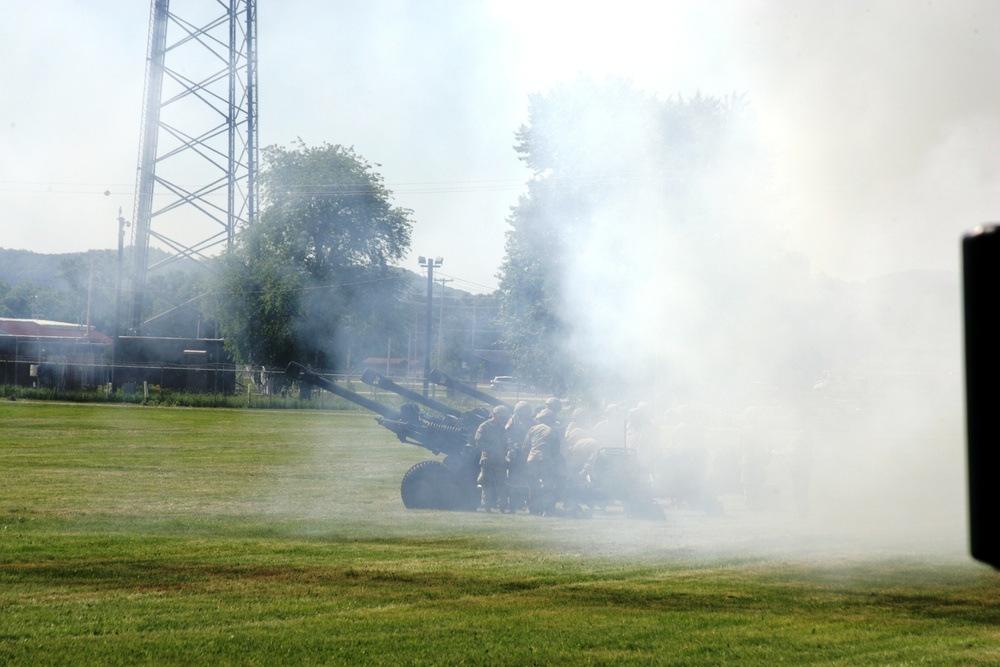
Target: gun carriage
(448,484)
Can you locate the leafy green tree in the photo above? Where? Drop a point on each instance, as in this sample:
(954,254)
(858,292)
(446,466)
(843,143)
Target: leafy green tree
(75,285)
(32,301)
(637,207)
(312,280)
(175,304)
(89,280)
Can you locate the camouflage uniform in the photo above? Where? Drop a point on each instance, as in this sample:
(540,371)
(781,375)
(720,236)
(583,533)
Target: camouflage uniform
(491,438)
(611,431)
(642,435)
(517,457)
(545,463)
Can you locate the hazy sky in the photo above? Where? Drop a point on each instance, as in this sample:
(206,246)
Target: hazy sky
(884,117)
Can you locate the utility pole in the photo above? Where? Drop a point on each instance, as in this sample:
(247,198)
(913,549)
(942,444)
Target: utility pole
(443,282)
(430,265)
(90,292)
(122,224)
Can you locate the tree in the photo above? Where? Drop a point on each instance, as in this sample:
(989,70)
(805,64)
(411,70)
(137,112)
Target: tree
(312,280)
(174,300)
(32,301)
(634,243)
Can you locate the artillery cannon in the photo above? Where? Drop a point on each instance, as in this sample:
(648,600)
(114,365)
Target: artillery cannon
(448,484)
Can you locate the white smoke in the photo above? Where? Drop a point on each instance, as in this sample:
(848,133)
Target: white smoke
(697,299)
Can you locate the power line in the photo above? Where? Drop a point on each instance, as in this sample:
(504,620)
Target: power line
(350,189)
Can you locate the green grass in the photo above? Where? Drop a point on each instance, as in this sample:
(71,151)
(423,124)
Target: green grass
(139,535)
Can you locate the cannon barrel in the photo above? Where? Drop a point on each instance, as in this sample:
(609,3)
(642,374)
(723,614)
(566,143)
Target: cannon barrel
(297,371)
(436,435)
(469,421)
(438,377)
(374,379)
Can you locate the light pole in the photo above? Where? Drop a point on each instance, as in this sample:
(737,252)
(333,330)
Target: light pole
(430,265)
(443,281)
(122,224)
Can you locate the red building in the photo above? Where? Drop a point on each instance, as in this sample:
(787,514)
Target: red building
(44,353)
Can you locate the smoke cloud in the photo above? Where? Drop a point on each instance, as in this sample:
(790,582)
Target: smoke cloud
(704,290)
(883,117)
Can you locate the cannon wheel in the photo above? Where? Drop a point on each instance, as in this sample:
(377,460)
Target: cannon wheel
(429,485)
(422,486)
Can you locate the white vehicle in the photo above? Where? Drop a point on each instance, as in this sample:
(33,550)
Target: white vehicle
(504,382)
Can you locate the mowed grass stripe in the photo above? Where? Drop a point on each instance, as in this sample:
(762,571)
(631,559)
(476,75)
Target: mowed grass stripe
(178,536)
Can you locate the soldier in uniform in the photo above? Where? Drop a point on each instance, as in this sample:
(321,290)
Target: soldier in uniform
(579,442)
(642,435)
(545,463)
(491,438)
(580,427)
(555,405)
(610,432)
(517,456)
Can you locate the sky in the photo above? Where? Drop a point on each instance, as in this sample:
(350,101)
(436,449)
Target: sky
(883,118)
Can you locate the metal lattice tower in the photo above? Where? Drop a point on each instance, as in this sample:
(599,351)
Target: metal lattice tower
(196,183)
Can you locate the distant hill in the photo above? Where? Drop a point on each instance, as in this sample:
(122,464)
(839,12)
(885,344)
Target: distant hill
(25,266)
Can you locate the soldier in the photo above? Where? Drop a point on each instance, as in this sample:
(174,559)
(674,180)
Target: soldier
(545,463)
(520,422)
(683,470)
(642,435)
(517,457)
(579,443)
(611,431)
(579,427)
(491,438)
(555,405)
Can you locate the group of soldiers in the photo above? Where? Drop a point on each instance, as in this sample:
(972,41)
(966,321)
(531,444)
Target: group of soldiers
(522,463)
(532,459)
(535,461)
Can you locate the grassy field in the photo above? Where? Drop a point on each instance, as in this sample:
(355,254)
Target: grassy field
(138,535)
